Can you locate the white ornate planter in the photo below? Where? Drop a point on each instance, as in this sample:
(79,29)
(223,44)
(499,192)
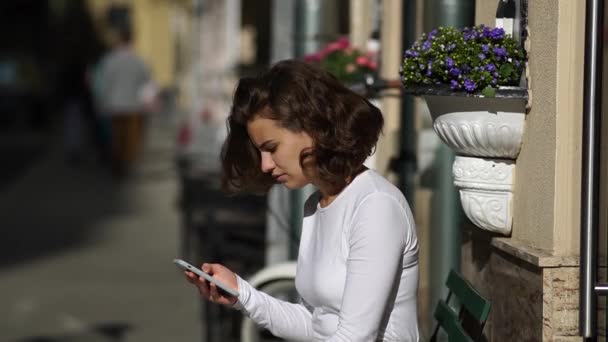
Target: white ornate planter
(486,133)
(481,127)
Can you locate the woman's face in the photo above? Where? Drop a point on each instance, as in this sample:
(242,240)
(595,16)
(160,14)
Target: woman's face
(280,151)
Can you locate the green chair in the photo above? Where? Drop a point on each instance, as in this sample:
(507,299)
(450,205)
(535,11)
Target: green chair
(466,325)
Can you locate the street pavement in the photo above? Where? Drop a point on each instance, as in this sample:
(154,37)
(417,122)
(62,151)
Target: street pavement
(86,258)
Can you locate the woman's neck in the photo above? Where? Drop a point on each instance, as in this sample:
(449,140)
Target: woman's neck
(327,196)
(327,199)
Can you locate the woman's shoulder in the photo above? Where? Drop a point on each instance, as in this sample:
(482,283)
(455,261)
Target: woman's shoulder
(379,206)
(369,189)
(374,184)
(367,186)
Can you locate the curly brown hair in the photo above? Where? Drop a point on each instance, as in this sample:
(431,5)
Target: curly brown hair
(301,97)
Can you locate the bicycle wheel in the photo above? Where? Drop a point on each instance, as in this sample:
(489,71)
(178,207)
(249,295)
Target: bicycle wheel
(284,289)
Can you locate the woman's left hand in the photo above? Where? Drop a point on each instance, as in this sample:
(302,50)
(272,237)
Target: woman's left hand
(209,290)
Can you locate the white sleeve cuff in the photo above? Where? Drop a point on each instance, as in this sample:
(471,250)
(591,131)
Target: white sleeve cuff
(244,289)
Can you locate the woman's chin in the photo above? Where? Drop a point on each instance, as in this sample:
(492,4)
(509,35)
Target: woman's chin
(291,185)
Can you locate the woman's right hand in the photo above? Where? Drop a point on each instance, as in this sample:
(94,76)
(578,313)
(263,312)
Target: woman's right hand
(211,292)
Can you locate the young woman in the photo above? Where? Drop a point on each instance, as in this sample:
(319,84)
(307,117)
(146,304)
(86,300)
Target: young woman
(357,269)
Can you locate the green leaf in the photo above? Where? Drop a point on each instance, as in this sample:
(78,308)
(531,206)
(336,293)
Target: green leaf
(506,70)
(489,91)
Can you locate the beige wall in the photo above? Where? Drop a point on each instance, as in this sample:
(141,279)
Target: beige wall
(152,33)
(534,187)
(485,11)
(153,37)
(569,104)
(388,145)
(546,192)
(361,24)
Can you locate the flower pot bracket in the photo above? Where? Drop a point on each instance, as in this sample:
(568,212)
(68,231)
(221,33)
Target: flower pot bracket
(485,187)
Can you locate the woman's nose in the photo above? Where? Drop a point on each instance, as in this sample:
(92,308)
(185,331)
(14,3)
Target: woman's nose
(267,162)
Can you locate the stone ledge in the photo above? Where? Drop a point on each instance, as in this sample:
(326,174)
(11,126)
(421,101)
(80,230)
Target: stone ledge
(536,257)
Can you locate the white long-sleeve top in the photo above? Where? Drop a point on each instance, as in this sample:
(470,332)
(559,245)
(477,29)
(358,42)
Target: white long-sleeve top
(122,81)
(357,270)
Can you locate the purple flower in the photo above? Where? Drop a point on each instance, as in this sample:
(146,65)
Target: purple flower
(490,67)
(497,33)
(449,61)
(487,32)
(429,71)
(455,72)
(500,52)
(517,64)
(494,81)
(485,48)
(432,33)
(450,47)
(481,56)
(469,85)
(426,45)
(454,85)
(421,66)
(411,53)
(470,35)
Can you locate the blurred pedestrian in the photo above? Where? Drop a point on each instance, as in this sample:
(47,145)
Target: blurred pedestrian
(125,92)
(76,110)
(357,268)
(102,122)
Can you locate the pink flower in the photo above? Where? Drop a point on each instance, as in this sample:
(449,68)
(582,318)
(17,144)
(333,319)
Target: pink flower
(313,57)
(343,42)
(362,61)
(340,44)
(365,61)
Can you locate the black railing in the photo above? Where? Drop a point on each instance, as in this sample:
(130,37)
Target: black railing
(592,108)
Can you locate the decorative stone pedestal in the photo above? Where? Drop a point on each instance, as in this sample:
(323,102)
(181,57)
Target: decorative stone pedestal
(485,191)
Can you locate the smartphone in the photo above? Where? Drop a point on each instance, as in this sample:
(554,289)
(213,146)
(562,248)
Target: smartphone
(187,267)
